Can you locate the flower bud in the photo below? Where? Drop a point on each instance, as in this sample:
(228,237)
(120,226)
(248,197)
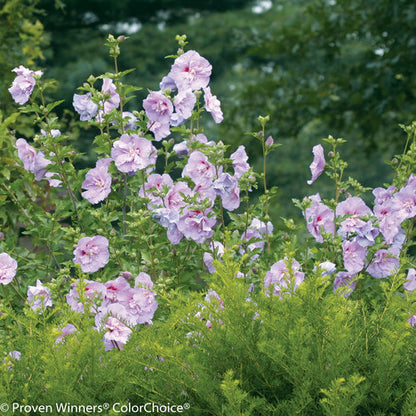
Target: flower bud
(91,79)
(263,120)
(127,275)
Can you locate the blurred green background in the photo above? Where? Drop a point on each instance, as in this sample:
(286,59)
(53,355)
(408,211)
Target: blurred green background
(317,67)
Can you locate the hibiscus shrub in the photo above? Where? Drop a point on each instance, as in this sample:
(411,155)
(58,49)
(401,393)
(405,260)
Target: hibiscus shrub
(153,277)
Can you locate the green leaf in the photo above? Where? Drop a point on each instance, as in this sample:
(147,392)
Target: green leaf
(51,106)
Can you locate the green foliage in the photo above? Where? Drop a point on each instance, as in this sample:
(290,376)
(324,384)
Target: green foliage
(21,41)
(310,353)
(409,407)
(343,397)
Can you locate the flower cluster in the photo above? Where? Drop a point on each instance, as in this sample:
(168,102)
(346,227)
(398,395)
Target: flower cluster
(116,305)
(187,211)
(85,106)
(253,238)
(97,183)
(371,238)
(8,267)
(65,331)
(36,162)
(284,275)
(91,253)
(318,164)
(39,297)
(23,84)
(189,73)
(132,153)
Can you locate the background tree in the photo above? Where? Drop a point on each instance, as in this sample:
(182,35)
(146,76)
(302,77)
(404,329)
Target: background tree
(64,15)
(328,67)
(22,39)
(317,67)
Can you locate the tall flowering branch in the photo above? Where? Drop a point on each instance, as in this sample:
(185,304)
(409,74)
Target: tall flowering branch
(336,166)
(264,145)
(114,45)
(50,140)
